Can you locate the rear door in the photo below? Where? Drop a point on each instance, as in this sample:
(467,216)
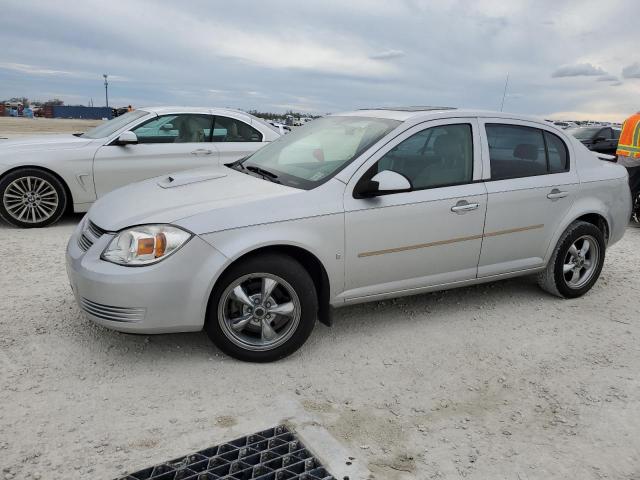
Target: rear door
(166,144)
(531,185)
(235,139)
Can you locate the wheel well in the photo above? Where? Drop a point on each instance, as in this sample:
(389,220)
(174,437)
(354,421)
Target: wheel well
(69,207)
(313,266)
(598,221)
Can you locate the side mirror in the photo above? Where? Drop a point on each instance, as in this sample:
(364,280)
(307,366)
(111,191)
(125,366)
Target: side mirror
(382,183)
(127,138)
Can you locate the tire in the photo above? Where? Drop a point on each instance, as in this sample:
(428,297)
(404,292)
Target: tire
(32,198)
(249,309)
(559,281)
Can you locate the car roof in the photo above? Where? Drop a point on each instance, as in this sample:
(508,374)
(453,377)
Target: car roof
(205,110)
(416,114)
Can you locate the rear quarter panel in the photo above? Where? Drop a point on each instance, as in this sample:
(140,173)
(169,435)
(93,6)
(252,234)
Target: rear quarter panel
(604,190)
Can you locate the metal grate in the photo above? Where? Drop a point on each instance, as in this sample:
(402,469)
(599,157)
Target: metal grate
(274,454)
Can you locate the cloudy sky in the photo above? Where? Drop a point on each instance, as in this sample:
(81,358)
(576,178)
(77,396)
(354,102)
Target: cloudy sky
(565,59)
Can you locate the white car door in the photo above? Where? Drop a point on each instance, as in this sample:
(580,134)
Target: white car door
(531,182)
(166,144)
(235,139)
(428,236)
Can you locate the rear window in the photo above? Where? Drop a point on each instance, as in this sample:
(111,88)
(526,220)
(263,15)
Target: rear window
(516,151)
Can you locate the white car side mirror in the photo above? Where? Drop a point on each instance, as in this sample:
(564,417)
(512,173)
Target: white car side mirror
(127,138)
(390,181)
(382,183)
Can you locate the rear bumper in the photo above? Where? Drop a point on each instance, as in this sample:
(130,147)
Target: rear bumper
(170,296)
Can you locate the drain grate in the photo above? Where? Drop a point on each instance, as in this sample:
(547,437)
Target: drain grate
(273,454)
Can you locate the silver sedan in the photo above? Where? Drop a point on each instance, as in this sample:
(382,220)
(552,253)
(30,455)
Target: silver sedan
(350,208)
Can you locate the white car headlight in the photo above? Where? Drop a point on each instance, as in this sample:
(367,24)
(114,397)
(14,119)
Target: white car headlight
(145,244)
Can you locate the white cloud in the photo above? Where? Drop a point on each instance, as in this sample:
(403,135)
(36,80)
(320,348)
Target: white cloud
(608,78)
(631,71)
(578,70)
(387,54)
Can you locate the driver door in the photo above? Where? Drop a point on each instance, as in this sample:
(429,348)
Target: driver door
(166,144)
(431,235)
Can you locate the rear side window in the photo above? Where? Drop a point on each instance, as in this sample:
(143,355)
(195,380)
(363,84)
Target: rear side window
(228,129)
(557,153)
(516,151)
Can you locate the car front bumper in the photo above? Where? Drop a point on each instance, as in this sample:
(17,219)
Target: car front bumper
(169,296)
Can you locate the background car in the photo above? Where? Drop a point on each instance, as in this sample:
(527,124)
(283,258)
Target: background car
(42,177)
(598,139)
(349,208)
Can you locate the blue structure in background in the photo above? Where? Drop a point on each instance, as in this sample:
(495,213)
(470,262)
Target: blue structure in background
(94,113)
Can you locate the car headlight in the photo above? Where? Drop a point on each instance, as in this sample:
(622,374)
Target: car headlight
(145,244)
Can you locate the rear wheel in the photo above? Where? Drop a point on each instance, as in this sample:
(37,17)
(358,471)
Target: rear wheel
(262,309)
(576,262)
(31,198)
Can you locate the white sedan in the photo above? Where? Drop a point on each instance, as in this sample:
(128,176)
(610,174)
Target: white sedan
(42,177)
(349,208)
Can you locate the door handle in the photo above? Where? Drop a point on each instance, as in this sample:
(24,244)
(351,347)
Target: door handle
(463,206)
(202,151)
(555,193)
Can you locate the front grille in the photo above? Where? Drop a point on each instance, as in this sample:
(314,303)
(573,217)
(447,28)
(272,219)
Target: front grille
(111,313)
(272,454)
(95,230)
(90,235)
(84,242)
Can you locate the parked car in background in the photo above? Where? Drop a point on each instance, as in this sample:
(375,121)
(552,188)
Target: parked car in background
(42,177)
(565,125)
(598,139)
(281,127)
(349,208)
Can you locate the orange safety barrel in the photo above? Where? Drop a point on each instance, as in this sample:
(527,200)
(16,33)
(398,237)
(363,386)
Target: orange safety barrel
(629,143)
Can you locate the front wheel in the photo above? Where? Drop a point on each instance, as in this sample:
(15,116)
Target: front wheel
(31,198)
(262,309)
(576,262)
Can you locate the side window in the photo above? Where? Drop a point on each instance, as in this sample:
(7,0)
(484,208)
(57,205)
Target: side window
(558,155)
(434,157)
(515,151)
(616,134)
(607,133)
(182,128)
(231,130)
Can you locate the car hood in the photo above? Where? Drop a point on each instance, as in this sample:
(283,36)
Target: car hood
(169,198)
(44,142)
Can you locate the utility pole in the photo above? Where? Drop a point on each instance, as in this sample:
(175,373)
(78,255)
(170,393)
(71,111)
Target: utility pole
(106,89)
(504,94)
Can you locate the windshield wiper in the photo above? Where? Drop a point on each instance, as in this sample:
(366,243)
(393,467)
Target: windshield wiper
(261,171)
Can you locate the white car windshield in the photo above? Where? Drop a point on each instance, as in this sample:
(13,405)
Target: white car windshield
(107,128)
(310,155)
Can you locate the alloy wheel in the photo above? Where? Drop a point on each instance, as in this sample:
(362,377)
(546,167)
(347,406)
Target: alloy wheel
(30,199)
(259,311)
(581,261)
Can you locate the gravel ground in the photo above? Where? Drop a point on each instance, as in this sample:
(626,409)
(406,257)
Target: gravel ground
(12,127)
(493,381)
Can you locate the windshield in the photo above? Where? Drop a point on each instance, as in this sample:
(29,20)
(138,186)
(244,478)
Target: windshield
(313,153)
(583,133)
(107,128)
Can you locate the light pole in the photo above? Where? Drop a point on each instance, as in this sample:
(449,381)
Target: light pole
(106,89)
